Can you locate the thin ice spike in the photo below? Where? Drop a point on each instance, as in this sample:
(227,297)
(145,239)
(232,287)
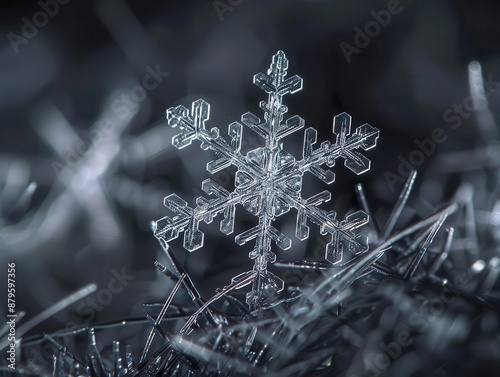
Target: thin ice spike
(398,208)
(484,117)
(186,282)
(47,313)
(430,238)
(443,253)
(360,194)
(162,313)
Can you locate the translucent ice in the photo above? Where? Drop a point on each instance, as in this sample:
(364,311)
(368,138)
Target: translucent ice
(268,180)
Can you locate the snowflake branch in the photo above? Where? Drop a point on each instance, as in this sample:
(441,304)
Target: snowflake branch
(365,137)
(341,232)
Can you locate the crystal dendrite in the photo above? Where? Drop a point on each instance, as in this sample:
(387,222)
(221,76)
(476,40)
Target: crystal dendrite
(268,181)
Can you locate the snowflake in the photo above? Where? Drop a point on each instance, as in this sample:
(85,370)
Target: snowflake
(268,181)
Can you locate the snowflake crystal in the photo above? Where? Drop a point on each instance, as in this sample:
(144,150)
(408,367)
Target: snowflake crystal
(268,181)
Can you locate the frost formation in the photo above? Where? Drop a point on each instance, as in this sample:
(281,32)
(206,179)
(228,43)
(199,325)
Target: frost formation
(268,181)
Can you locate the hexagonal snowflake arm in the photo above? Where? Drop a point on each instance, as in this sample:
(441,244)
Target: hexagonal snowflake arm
(282,241)
(341,235)
(304,212)
(346,146)
(275,84)
(274,81)
(187,219)
(313,159)
(343,238)
(365,137)
(192,127)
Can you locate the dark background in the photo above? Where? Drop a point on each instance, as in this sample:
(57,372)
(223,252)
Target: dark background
(91,52)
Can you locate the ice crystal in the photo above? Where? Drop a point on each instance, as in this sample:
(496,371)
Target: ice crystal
(268,181)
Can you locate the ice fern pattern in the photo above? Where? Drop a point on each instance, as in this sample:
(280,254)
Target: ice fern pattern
(268,180)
